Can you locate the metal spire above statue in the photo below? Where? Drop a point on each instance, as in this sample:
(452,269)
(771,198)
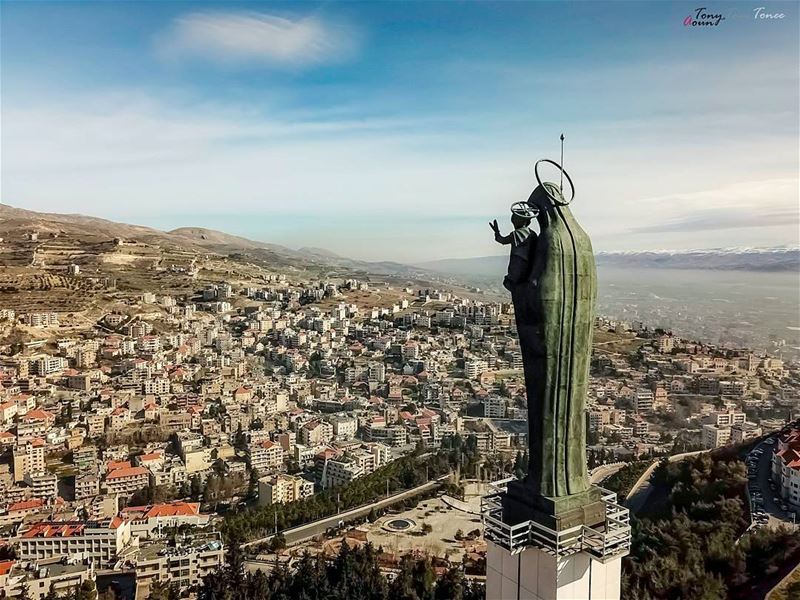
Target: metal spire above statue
(553,284)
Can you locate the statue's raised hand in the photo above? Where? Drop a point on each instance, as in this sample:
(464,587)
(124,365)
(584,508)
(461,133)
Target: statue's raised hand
(495,227)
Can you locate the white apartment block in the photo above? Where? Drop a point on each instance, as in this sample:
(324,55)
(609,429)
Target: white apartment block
(45,319)
(42,485)
(28,459)
(474,367)
(726,418)
(742,432)
(714,436)
(265,456)
(341,471)
(642,401)
(344,428)
(48,365)
(99,541)
(86,486)
(280,489)
(184,566)
(315,433)
(494,407)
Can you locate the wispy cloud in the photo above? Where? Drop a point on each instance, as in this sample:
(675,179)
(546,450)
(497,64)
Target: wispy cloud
(259,38)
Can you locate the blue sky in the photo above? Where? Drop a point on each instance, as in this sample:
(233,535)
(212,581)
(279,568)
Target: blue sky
(396,130)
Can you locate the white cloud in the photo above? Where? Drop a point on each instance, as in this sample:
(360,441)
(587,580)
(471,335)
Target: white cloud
(641,184)
(261,38)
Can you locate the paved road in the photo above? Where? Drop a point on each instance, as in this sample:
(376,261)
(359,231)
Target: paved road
(301,533)
(599,474)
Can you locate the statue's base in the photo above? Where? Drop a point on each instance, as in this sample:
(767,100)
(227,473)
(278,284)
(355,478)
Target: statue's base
(521,504)
(535,574)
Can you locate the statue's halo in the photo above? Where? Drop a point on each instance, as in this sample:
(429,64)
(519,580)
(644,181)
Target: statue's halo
(524,210)
(555,200)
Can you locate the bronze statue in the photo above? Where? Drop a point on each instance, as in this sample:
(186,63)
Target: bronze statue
(553,285)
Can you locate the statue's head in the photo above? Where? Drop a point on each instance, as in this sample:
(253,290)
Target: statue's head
(543,200)
(522,214)
(545,196)
(517,221)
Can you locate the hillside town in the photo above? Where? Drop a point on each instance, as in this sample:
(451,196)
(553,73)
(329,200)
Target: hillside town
(124,444)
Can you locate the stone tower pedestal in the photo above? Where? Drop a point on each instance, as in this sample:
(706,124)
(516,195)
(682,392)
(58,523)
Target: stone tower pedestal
(533,574)
(529,560)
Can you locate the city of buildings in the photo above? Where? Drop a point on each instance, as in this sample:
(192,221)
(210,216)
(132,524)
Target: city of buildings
(116,437)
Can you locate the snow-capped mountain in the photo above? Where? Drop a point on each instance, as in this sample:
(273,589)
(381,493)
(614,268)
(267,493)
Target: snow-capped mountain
(781,258)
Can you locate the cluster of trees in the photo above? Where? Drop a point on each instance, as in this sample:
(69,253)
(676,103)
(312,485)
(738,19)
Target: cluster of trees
(84,591)
(217,488)
(692,545)
(353,574)
(622,481)
(401,474)
(521,464)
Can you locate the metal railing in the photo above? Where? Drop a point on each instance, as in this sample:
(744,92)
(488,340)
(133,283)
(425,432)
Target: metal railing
(606,541)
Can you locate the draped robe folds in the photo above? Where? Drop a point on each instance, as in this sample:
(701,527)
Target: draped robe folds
(554,309)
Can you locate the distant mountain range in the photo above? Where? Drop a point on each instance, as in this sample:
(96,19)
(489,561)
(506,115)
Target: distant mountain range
(15,221)
(727,259)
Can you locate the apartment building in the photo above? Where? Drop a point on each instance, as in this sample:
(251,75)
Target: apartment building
(786,467)
(42,485)
(742,432)
(151,521)
(265,456)
(29,459)
(315,433)
(642,401)
(86,486)
(340,471)
(126,480)
(36,580)
(184,566)
(344,428)
(714,436)
(494,407)
(99,541)
(280,489)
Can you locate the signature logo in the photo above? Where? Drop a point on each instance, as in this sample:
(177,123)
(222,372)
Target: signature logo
(703,18)
(760,13)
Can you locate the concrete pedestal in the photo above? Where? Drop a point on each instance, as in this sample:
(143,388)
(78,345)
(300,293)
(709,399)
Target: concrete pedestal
(536,575)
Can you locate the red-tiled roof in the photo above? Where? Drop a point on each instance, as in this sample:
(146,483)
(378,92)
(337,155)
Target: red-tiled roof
(47,530)
(127,472)
(31,504)
(118,464)
(151,456)
(172,509)
(38,414)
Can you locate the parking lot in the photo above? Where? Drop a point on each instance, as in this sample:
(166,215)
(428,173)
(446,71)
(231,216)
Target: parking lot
(768,508)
